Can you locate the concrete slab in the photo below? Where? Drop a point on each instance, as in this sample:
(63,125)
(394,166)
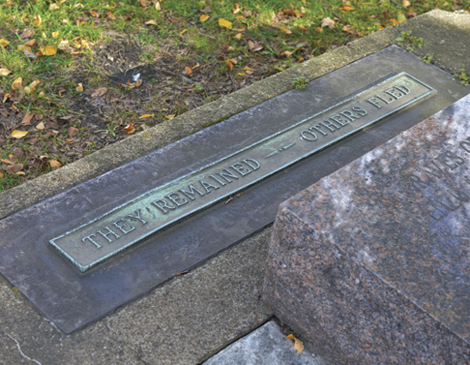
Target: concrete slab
(263,346)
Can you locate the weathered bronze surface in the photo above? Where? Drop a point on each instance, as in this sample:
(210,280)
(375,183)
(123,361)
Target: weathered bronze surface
(127,224)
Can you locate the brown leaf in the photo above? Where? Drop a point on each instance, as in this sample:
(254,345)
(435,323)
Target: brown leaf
(94,14)
(207,9)
(17,84)
(55,164)
(298,345)
(328,22)
(285,30)
(288,12)
(73,132)
(12,169)
(188,70)
(79,88)
(129,129)
(145,3)
(27,118)
(254,47)
(28,32)
(230,65)
(99,92)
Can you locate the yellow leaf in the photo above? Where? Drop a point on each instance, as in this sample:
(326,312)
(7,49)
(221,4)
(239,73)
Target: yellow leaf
(401,18)
(188,70)
(225,23)
(405,3)
(8,162)
(31,42)
(55,164)
(247,69)
(238,36)
(94,14)
(20,173)
(78,5)
(157,6)
(79,87)
(328,22)
(318,29)
(233,60)
(51,51)
(298,345)
(4,42)
(146,116)
(204,17)
(286,53)
(110,15)
(4,72)
(18,134)
(1,175)
(196,66)
(55,34)
(285,30)
(346,8)
(17,83)
(230,66)
(37,20)
(40,126)
(53,6)
(303,27)
(151,22)
(129,129)
(171,116)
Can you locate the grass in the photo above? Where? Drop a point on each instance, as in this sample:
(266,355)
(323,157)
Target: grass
(51,65)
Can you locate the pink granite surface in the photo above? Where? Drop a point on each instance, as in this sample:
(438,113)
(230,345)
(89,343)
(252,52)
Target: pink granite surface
(372,263)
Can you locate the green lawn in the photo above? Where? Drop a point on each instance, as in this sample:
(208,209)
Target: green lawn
(78,75)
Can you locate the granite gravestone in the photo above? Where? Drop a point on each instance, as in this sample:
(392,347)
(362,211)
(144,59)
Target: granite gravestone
(373,261)
(83,253)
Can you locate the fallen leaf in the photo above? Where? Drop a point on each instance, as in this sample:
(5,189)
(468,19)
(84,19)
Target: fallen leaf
(196,66)
(99,92)
(31,42)
(40,126)
(4,72)
(37,20)
(110,15)
(225,23)
(1,174)
(303,27)
(28,53)
(238,36)
(401,18)
(298,345)
(27,118)
(151,22)
(207,9)
(157,6)
(94,14)
(6,97)
(144,3)
(406,3)
(79,87)
(73,132)
(288,12)
(53,6)
(12,169)
(246,68)
(4,42)
(55,164)
(188,70)
(230,65)
(129,129)
(146,116)
(328,22)
(254,47)
(20,173)
(413,14)
(8,162)
(18,134)
(78,5)
(17,83)
(50,51)
(318,29)
(171,116)
(286,53)
(233,60)
(285,30)
(348,8)
(28,32)
(237,9)
(204,17)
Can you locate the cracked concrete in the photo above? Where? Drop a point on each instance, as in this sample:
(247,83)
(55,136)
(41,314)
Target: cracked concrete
(189,318)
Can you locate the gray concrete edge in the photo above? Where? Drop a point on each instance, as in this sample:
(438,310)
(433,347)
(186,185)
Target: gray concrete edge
(191,317)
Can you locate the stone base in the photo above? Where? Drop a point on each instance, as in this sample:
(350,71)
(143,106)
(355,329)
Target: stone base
(372,262)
